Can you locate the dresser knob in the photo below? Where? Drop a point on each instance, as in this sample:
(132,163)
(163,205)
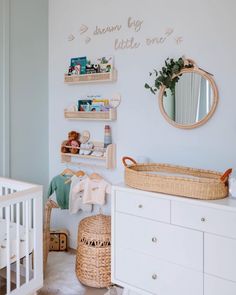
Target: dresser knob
(154,239)
(154,276)
(203,219)
(140,206)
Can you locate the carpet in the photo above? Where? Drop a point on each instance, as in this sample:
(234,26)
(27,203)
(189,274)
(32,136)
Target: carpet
(60,277)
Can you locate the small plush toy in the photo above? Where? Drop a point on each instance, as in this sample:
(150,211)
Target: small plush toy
(92,68)
(73,142)
(96,68)
(74,147)
(70,71)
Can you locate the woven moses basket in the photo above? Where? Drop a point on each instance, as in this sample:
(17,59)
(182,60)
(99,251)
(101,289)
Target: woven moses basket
(177,180)
(93,259)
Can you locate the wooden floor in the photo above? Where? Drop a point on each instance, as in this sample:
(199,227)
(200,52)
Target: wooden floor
(3,286)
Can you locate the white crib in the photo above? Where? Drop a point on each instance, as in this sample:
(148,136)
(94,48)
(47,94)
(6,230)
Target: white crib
(21,245)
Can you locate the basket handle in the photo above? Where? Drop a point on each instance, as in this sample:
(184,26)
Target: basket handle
(226,175)
(124,159)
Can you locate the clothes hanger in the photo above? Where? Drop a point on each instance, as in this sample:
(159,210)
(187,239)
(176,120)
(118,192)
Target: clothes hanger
(79,173)
(67,171)
(95,176)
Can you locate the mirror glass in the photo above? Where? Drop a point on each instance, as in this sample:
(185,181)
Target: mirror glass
(192,100)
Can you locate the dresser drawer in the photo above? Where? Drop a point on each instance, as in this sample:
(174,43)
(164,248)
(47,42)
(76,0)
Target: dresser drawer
(220,257)
(156,276)
(205,219)
(142,205)
(168,242)
(216,286)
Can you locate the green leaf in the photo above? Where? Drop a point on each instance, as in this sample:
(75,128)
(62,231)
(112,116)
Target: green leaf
(152,91)
(165,75)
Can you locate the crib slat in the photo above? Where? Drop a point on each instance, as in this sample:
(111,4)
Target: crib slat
(8,250)
(2,193)
(27,239)
(24,210)
(18,245)
(23,214)
(12,213)
(37,221)
(30,213)
(9,191)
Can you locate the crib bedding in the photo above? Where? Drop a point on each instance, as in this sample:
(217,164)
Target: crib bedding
(3,248)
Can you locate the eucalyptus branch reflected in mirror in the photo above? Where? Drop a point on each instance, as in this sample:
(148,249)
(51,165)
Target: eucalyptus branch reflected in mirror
(190,99)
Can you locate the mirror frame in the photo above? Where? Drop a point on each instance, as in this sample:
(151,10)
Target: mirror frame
(207,76)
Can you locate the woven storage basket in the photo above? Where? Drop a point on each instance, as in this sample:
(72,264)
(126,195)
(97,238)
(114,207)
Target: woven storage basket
(177,180)
(93,259)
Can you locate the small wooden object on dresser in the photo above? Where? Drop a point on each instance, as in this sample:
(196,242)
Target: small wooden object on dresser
(93,259)
(58,240)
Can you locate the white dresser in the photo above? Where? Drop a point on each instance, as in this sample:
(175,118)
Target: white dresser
(169,245)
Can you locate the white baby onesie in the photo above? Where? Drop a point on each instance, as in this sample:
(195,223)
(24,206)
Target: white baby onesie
(76,198)
(94,190)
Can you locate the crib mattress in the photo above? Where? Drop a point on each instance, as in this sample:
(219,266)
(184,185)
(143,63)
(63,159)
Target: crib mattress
(3,248)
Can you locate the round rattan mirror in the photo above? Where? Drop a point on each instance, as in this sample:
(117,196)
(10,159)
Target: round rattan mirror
(193,101)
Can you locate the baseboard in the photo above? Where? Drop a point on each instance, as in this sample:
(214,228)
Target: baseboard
(73,251)
(72,244)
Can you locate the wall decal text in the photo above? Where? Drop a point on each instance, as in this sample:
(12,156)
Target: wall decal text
(134,24)
(122,43)
(71,37)
(83,29)
(107,29)
(129,43)
(159,40)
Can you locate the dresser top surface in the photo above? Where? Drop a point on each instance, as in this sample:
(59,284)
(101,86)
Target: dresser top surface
(228,203)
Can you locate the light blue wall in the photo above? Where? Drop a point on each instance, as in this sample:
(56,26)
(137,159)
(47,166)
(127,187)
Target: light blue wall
(1,87)
(29,90)
(4,87)
(208,36)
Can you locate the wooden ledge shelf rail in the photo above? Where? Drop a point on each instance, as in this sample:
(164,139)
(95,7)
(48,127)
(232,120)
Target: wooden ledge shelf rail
(91,78)
(97,149)
(109,156)
(111,115)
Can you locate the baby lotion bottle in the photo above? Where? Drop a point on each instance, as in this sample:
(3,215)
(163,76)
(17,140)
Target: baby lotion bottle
(107,136)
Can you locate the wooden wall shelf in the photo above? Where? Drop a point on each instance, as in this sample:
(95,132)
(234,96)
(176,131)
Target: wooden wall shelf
(111,115)
(91,78)
(108,160)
